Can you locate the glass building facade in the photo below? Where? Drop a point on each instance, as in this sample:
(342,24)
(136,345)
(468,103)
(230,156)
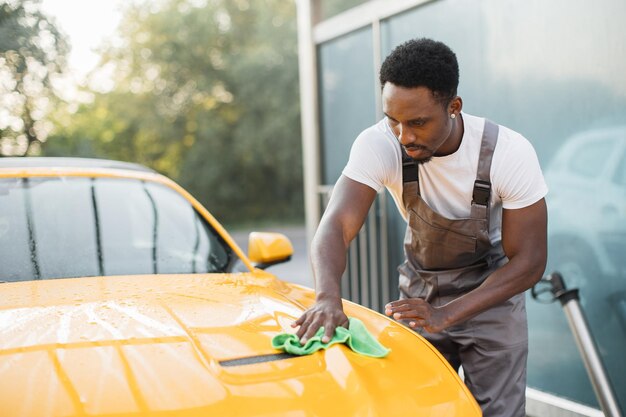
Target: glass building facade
(553,71)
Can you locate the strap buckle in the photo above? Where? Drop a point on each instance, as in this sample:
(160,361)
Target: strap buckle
(482,192)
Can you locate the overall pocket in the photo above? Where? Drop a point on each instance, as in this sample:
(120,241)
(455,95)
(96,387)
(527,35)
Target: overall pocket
(436,247)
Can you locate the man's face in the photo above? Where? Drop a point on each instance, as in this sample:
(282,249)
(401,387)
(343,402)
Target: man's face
(420,122)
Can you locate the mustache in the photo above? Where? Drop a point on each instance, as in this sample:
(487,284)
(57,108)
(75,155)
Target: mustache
(421,148)
(416,147)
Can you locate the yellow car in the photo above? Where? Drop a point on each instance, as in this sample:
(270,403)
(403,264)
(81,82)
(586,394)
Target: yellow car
(122,296)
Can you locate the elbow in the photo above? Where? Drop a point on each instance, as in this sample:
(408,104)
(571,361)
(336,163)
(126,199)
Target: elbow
(529,267)
(537,272)
(529,263)
(534,268)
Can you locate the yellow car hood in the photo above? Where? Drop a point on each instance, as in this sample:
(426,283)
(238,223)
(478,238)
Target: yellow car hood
(161,345)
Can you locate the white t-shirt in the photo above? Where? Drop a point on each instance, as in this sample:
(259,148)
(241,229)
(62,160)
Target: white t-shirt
(447,182)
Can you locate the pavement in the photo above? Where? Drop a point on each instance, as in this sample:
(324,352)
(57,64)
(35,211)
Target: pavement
(298,269)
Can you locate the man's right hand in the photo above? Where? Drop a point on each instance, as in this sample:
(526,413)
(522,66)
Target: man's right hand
(347,209)
(327,313)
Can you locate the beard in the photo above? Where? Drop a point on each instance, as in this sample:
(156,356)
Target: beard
(421,160)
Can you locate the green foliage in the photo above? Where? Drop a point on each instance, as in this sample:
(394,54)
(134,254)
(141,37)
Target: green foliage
(207,93)
(32,51)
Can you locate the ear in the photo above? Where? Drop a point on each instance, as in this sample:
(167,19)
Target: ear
(455,106)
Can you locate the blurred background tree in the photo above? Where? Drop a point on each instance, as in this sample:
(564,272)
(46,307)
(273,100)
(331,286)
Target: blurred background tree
(32,51)
(205,92)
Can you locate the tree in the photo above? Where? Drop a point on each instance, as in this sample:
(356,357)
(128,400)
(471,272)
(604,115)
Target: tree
(32,51)
(205,92)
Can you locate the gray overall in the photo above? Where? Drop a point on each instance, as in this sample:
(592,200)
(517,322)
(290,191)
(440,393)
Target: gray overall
(447,258)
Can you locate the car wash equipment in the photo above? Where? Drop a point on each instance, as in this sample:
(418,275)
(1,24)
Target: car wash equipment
(570,301)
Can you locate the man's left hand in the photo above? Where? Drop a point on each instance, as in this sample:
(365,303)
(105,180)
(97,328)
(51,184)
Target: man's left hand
(418,313)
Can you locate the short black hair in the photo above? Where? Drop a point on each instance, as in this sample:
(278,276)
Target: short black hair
(423,63)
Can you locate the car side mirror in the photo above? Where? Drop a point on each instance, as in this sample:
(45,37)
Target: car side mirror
(267,249)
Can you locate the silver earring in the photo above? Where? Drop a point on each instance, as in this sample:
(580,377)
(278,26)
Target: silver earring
(453,116)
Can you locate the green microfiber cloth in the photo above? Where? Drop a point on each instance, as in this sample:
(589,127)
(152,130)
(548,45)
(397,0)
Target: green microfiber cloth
(357,337)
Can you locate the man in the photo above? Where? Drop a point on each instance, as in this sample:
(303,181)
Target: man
(472,193)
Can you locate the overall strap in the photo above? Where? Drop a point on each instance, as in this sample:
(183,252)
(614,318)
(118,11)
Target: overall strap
(410,179)
(481,195)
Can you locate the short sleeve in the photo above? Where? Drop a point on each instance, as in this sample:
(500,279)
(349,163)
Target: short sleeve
(372,159)
(516,173)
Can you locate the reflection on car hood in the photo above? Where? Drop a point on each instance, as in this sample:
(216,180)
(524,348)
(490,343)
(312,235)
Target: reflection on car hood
(159,345)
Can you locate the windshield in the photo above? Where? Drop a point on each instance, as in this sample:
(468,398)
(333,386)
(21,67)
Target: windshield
(76,226)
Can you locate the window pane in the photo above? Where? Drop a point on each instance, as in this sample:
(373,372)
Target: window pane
(15,232)
(71,227)
(330,8)
(347,96)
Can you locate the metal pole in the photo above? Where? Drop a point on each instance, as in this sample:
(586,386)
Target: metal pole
(308,109)
(578,323)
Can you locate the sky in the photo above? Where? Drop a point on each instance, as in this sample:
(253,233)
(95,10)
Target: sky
(87,23)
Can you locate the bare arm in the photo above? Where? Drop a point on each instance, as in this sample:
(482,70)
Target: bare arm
(524,239)
(347,209)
